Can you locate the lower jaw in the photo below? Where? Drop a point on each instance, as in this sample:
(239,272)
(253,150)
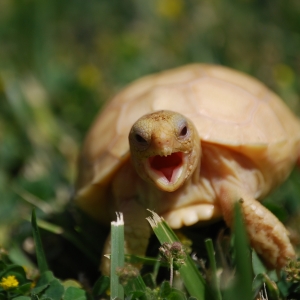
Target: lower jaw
(164,184)
(171,183)
(168,188)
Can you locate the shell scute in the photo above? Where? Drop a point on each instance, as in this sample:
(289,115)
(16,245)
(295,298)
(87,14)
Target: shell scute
(246,82)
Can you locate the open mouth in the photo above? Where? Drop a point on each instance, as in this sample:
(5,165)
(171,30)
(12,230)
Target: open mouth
(167,166)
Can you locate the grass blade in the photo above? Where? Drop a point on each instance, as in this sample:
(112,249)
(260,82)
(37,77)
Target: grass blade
(40,255)
(117,256)
(243,257)
(190,275)
(101,285)
(212,262)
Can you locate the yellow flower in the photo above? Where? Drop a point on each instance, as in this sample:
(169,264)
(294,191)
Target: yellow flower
(9,282)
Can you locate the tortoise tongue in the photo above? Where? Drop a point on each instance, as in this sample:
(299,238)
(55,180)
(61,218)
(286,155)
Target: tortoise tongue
(166,164)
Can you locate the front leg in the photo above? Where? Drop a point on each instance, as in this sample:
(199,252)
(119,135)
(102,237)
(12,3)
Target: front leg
(267,234)
(136,232)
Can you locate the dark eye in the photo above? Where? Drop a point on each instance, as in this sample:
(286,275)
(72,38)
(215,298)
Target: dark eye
(183,131)
(140,139)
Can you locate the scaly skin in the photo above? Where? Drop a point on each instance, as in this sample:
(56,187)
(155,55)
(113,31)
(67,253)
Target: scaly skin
(267,234)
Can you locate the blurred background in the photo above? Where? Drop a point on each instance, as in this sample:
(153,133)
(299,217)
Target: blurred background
(61,60)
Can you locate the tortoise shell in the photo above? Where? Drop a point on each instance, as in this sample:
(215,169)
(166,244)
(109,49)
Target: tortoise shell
(228,108)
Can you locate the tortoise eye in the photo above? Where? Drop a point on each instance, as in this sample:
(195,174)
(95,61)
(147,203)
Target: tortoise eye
(140,139)
(183,131)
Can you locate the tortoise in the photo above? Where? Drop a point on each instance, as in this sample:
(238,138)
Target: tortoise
(188,143)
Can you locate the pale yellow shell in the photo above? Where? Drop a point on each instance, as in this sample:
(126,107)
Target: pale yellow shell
(227,107)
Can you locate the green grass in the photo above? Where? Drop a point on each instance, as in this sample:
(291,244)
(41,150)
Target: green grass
(194,281)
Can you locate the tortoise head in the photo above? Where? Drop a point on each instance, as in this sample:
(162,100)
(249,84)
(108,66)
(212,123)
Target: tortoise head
(165,149)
